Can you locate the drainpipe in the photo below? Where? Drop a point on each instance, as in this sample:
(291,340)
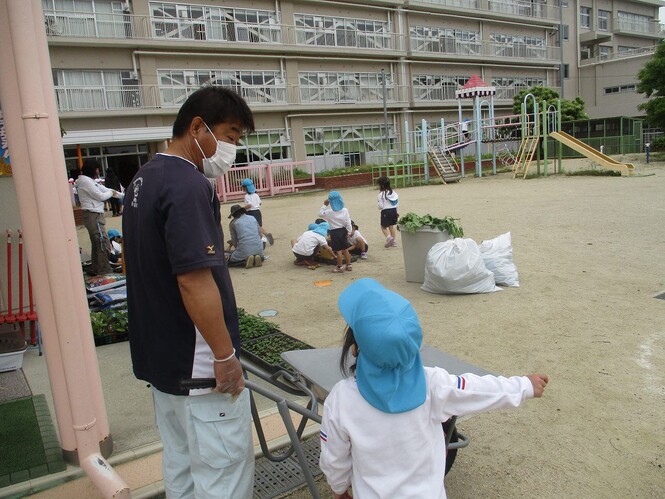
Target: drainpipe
(26,89)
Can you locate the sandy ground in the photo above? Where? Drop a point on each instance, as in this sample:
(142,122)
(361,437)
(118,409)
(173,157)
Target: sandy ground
(589,251)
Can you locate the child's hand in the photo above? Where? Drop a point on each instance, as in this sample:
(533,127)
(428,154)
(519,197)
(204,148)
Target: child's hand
(326,202)
(539,382)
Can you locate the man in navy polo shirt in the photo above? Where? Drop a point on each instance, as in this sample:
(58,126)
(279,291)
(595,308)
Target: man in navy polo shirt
(182,309)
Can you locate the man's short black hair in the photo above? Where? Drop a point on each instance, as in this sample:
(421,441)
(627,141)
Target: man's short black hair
(90,167)
(214,105)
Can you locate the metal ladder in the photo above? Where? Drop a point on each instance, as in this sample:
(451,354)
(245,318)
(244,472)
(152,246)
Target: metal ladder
(444,163)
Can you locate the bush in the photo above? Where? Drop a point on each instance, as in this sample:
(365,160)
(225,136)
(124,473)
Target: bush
(658,143)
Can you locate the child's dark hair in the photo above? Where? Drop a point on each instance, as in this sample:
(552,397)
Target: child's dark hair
(384,184)
(319,221)
(90,167)
(349,342)
(354,225)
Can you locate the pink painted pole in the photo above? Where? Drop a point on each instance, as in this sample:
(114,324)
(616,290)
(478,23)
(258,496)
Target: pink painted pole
(9,316)
(21,317)
(95,397)
(32,315)
(26,93)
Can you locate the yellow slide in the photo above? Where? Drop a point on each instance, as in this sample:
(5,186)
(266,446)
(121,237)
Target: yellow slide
(591,153)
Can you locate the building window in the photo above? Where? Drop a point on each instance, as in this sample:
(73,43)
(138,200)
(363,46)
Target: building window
(432,87)
(256,87)
(445,40)
(341,87)
(620,89)
(202,22)
(341,32)
(636,23)
(77,90)
(566,71)
(604,51)
(565,31)
(564,3)
(585,17)
(508,87)
(530,47)
(604,20)
(585,52)
(623,49)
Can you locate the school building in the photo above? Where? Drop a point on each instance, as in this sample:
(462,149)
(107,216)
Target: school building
(334,78)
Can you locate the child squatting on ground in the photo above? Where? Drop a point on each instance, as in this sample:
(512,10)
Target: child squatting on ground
(387,201)
(337,216)
(308,244)
(358,243)
(381,432)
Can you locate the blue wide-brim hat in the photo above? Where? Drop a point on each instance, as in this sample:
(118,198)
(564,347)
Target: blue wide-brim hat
(321,229)
(336,201)
(113,233)
(389,369)
(248,183)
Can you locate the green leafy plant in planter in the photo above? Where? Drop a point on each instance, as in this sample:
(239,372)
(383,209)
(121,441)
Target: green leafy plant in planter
(412,222)
(263,343)
(109,326)
(253,327)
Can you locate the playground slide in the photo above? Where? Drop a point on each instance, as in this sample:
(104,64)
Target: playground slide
(591,153)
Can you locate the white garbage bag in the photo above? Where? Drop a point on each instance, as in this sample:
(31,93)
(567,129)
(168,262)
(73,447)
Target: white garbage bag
(456,266)
(498,256)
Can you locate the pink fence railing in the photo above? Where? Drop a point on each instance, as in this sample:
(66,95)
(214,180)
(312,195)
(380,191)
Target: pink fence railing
(270,179)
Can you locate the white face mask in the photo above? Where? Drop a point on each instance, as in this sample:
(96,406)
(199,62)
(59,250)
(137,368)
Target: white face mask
(220,162)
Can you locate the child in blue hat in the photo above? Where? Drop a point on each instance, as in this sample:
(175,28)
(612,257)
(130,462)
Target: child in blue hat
(252,207)
(339,219)
(381,430)
(308,244)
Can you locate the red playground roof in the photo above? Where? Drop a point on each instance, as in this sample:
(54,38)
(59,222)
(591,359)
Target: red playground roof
(475,87)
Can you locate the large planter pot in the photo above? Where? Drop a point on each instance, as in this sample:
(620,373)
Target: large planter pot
(415,247)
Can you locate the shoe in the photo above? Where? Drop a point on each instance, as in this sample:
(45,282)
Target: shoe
(363,256)
(389,241)
(271,239)
(258,261)
(393,244)
(338,270)
(250,262)
(349,267)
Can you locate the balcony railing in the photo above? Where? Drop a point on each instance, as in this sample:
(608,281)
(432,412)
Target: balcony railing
(347,94)
(438,93)
(343,37)
(615,56)
(453,46)
(521,8)
(98,98)
(127,97)
(653,28)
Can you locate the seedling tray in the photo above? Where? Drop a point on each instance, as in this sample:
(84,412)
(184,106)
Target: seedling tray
(266,352)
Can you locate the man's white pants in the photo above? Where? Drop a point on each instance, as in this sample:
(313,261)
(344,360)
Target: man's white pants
(208,449)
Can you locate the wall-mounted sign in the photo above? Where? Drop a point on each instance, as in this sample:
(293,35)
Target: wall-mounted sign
(5,166)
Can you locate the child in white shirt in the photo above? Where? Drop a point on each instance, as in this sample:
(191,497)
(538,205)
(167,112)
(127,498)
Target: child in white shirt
(334,212)
(306,246)
(358,242)
(253,207)
(387,201)
(381,431)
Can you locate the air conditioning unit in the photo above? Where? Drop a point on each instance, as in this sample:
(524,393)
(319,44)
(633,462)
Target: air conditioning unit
(318,134)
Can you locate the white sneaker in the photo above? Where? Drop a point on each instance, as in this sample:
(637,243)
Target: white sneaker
(389,241)
(363,256)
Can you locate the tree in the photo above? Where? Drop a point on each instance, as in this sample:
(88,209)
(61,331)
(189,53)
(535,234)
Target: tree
(570,109)
(652,83)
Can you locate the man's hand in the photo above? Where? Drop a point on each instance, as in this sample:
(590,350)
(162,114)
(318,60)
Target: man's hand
(539,382)
(229,377)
